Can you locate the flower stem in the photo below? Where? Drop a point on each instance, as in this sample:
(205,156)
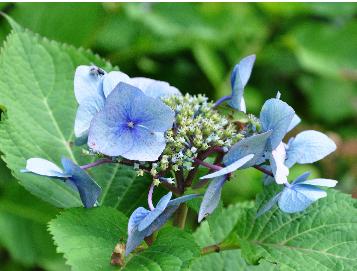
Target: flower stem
(96,163)
(218,248)
(265,171)
(221,100)
(208,165)
(151,190)
(181,214)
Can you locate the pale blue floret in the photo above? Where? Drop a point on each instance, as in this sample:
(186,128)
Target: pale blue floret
(92,85)
(239,78)
(72,174)
(131,125)
(143,222)
(299,195)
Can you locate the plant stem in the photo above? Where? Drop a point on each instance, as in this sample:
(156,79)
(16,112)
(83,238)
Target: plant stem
(265,171)
(96,163)
(218,248)
(208,165)
(151,190)
(180,216)
(221,100)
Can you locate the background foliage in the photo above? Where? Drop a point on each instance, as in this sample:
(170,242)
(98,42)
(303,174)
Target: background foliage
(307,51)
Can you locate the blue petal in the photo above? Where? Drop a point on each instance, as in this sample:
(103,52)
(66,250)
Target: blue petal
(303,177)
(276,115)
(44,167)
(88,189)
(250,145)
(294,122)
(154,88)
(266,207)
(239,78)
(298,197)
(211,198)
(85,113)
(135,237)
(87,83)
(277,163)
(320,182)
(228,169)
(110,134)
(112,79)
(309,147)
(182,199)
(160,207)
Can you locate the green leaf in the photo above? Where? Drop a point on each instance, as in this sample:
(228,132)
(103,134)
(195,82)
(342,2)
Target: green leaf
(23,232)
(321,238)
(37,91)
(215,230)
(87,237)
(173,250)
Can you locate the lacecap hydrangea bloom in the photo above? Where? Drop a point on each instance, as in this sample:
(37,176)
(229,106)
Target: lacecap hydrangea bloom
(150,126)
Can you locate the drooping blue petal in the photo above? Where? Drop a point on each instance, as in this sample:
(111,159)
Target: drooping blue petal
(154,88)
(309,147)
(85,113)
(277,163)
(276,115)
(239,78)
(294,122)
(160,207)
(88,82)
(228,169)
(297,198)
(182,199)
(320,182)
(211,197)
(250,145)
(88,189)
(112,79)
(130,125)
(303,177)
(266,207)
(44,167)
(135,237)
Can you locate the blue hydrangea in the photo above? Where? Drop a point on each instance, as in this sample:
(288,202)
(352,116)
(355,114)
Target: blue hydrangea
(143,222)
(92,85)
(131,125)
(298,195)
(71,173)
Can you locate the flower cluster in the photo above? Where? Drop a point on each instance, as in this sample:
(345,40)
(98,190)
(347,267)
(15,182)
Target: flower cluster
(151,126)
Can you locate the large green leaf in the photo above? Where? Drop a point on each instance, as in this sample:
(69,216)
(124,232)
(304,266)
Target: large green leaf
(37,92)
(87,237)
(173,250)
(214,231)
(321,238)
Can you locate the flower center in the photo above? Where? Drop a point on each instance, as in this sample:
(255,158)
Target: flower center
(131,124)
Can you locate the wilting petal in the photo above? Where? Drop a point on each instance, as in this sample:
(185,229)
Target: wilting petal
(302,178)
(277,163)
(87,83)
(309,147)
(294,122)
(112,79)
(239,78)
(154,88)
(160,207)
(228,169)
(250,145)
(88,189)
(85,113)
(276,115)
(320,182)
(44,167)
(266,207)
(211,198)
(297,198)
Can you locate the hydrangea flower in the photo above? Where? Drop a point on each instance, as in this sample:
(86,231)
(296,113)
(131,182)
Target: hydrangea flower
(92,85)
(72,174)
(239,78)
(299,195)
(143,222)
(131,125)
